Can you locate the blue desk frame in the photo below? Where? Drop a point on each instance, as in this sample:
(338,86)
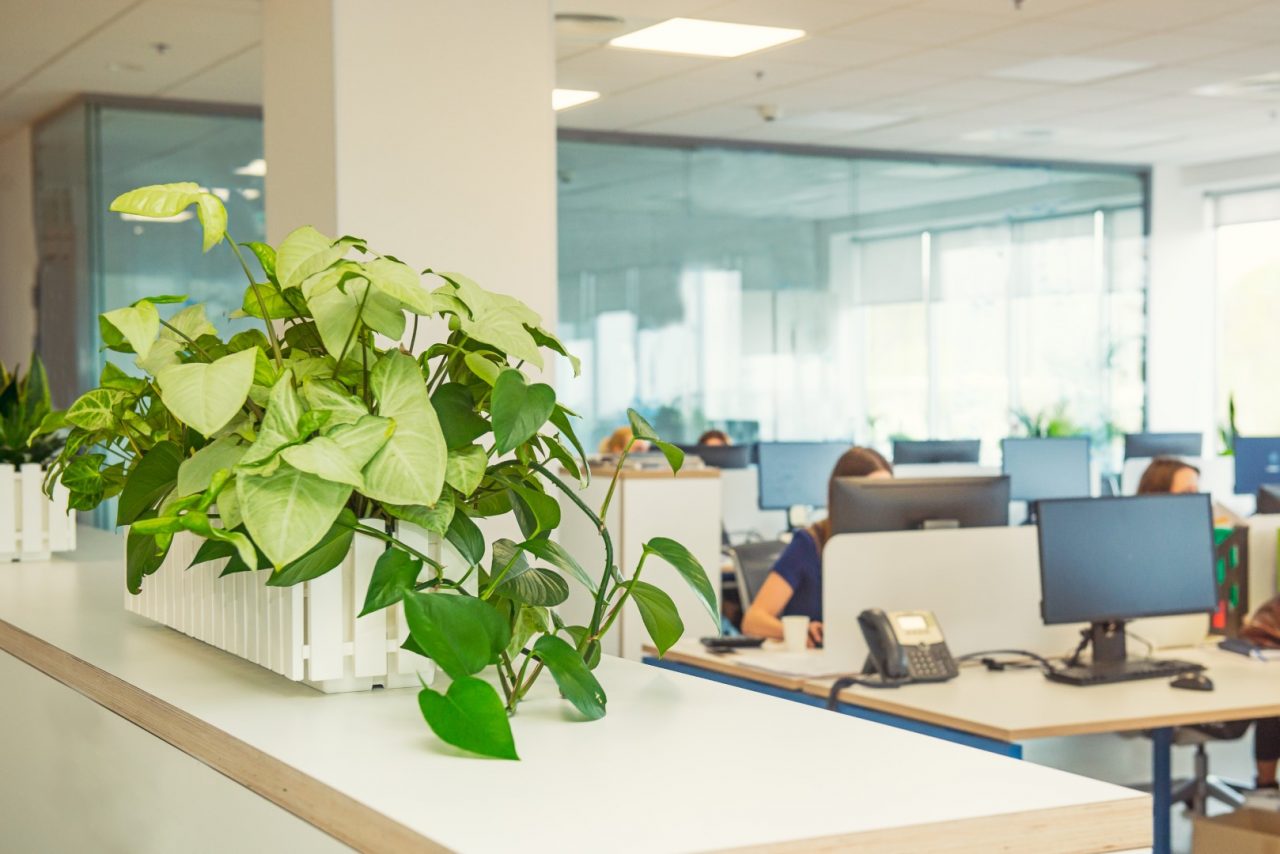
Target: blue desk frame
(1161,739)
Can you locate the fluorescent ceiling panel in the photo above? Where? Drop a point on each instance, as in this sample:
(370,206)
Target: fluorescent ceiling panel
(1070,69)
(698,37)
(563,99)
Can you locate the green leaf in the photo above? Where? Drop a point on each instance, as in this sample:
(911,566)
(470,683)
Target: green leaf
(690,570)
(462,634)
(675,456)
(360,441)
(394,575)
(410,467)
(507,561)
(213,218)
(196,472)
(211,550)
(555,554)
(464,536)
(157,200)
(530,620)
(207,396)
(471,716)
(560,418)
(436,519)
(659,614)
(279,424)
(338,312)
(519,409)
(640,427)
(93,410)
(400,283)
(560,454)
(536,586)
(151,479)
(536,512)
(323,556)
(83,476)
(483,367)
(578,633)
(324,458)
(572,675)
(143,556)
(191,322)
(289,511)
(138,324)
(303,253)
(550,341)
(328,396)
(465,468)
(459,421)
(113,377)
(496,319)
(266,256)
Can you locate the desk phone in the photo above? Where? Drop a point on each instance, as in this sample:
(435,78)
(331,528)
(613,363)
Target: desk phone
(906,646)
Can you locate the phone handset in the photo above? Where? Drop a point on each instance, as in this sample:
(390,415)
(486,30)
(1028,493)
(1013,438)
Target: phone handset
(906,646)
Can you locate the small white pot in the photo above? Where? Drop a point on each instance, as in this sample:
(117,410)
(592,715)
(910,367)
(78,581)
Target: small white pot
(308,632)
(33,526)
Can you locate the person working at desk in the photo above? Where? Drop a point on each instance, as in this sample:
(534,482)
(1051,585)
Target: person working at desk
(794,586)
(715,437)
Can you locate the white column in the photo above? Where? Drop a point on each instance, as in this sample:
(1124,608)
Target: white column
(424,126)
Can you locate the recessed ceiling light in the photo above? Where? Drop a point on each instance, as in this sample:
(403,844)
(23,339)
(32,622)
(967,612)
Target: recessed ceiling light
(255,168)
(1070,69)
(1256,86)
(586,26)
(706,38)
(563,99)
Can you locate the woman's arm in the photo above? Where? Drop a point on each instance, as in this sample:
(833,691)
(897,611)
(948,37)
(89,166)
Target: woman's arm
(762,618)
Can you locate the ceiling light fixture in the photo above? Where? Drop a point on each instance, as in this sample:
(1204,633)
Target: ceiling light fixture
(256,168)
(587,26)
(563,99)
(698,37)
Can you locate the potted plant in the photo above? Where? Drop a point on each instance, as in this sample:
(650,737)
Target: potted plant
(31,525)
(279,446)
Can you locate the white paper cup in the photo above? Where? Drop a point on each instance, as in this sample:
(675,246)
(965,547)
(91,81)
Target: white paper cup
(795,633)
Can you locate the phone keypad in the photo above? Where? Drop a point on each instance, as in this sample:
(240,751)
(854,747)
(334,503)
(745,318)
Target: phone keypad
(928,662)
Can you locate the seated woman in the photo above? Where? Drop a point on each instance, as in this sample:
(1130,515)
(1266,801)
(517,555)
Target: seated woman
(794,586)
(1169,475)
(715,437)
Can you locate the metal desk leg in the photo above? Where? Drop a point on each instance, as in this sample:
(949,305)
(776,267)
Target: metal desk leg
(1161,788)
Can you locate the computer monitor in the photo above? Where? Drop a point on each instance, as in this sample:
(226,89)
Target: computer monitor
(1257,462)
(907,451)
(1163,445)
(795,474)
(869,504)
(1107,560)
(722,456)
(1268,499)
(1047,468)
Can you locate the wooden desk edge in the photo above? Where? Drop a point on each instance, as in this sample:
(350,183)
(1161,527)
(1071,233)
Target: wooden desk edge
(728,667)
(316,803)
(1118,825)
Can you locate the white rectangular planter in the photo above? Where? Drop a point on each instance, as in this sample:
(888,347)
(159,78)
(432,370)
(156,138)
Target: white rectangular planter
(308,632)
(33,526)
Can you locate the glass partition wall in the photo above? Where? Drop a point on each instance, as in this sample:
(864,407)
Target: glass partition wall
(792,295)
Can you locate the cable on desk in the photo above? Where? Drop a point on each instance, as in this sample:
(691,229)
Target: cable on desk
(992,664)
(833,696)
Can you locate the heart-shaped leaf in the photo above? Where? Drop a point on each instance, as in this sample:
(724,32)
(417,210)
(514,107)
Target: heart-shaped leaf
(324,458)
(573,677)
(536,586)
(288,511)
(464,536)
(435,520)
(303,252)
(394,575)
(690,570)
(280,424)
(207,396)
(138,324)
(196,471)
(400,283)
(661,619)
(152,478)
(555,554)
(462,634)
(93,410)
(465,468)
(331,551)
(324,395)
(519,409)
(410,467)
(471,716)
(459,421)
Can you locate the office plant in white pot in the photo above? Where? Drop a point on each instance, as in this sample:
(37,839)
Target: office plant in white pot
(32,526)
(279,447)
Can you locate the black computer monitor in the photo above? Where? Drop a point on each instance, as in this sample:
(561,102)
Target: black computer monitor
(1163,445)
(1107,560)
(722,456)
(869,504)
(908,452)
(795,474)
(1268,499)
(1257,462)
(1047,468)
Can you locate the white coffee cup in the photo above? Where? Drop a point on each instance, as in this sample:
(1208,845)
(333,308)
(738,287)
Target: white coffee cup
(795,633)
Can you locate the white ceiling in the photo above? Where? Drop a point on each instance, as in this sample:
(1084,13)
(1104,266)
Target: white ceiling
(923,75)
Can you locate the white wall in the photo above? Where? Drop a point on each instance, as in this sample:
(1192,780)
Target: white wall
(18,256)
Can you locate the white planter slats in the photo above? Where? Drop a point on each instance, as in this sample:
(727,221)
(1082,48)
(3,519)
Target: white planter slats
(308,632)
(32,526)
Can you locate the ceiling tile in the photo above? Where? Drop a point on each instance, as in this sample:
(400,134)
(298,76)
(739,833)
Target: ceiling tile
(1146,15)
(237,79)
(840,52)
(1045,36)
(606,69)
(807,15)
(923,26)
(1167,48)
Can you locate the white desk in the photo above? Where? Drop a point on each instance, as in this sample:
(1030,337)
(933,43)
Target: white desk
(364,769)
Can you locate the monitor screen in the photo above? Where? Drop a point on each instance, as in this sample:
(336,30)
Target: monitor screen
(907,451)
(1163,445)
(1047,468)
(1257,462)
(722,456)
(865,505)
(795,474)
(1121,558)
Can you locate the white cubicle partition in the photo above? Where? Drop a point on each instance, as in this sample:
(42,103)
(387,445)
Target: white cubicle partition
(983,584)
(743,518)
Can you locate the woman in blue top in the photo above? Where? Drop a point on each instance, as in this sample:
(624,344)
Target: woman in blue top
(795,584)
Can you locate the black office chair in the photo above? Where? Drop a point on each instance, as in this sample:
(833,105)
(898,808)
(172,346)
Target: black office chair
(752,563)
(1197,791)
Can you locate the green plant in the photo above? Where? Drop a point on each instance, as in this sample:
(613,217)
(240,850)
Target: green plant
(275,445)
(27,432)
(1054,422)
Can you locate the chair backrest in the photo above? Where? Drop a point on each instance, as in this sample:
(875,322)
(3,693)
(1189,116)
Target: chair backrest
(752,563)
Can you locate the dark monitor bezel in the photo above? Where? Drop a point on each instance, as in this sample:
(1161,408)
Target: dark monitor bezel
(869,485)
(974,445)
(1131,439)
(715,456)
(1088,452)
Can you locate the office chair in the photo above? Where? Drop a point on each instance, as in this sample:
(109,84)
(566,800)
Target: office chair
(752,563)
(1197,791)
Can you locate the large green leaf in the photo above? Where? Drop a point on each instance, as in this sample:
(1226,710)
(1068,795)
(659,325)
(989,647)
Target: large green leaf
(555,554)
(92,411)
(165,200)
(213,219)
(399,282)
(196,472)
(338,314)
(464,536)
(465,468)
(536,512)
(207,396)
(530,620)
(642,429)
(690,570)
(410,467)
(139,324)
(304,252)
(560,418)
(661,619)
(471,716)
(433,519)
(324,395)
(536,586)
(191,322)
(497,319)
(519,409)
(288,511)
(279,424)
(550,341)
(153,477)
(143,556)
(394,575)
(573,677)
(324,458)
(460,633)
(324,556)
(361,440)
(459,421)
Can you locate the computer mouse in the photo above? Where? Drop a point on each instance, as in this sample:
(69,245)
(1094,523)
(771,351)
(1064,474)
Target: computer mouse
(1193,682)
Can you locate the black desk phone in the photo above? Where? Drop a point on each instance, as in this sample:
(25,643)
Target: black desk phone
(906,646)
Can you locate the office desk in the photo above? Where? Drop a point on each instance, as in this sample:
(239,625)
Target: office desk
(123,735)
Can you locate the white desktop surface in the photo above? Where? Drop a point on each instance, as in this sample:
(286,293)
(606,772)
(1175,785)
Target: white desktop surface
(670,767)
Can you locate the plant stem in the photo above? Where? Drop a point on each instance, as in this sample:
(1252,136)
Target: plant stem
(262,303)
(626,591)
(617,473)
(533,677)
(394,543)
(184,336)
(413,339)
(497,579)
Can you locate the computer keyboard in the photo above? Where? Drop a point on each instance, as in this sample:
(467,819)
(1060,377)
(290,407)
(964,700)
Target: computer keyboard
(1125,671)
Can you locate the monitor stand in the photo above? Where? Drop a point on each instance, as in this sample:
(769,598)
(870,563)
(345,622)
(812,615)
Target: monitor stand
(1111,663)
